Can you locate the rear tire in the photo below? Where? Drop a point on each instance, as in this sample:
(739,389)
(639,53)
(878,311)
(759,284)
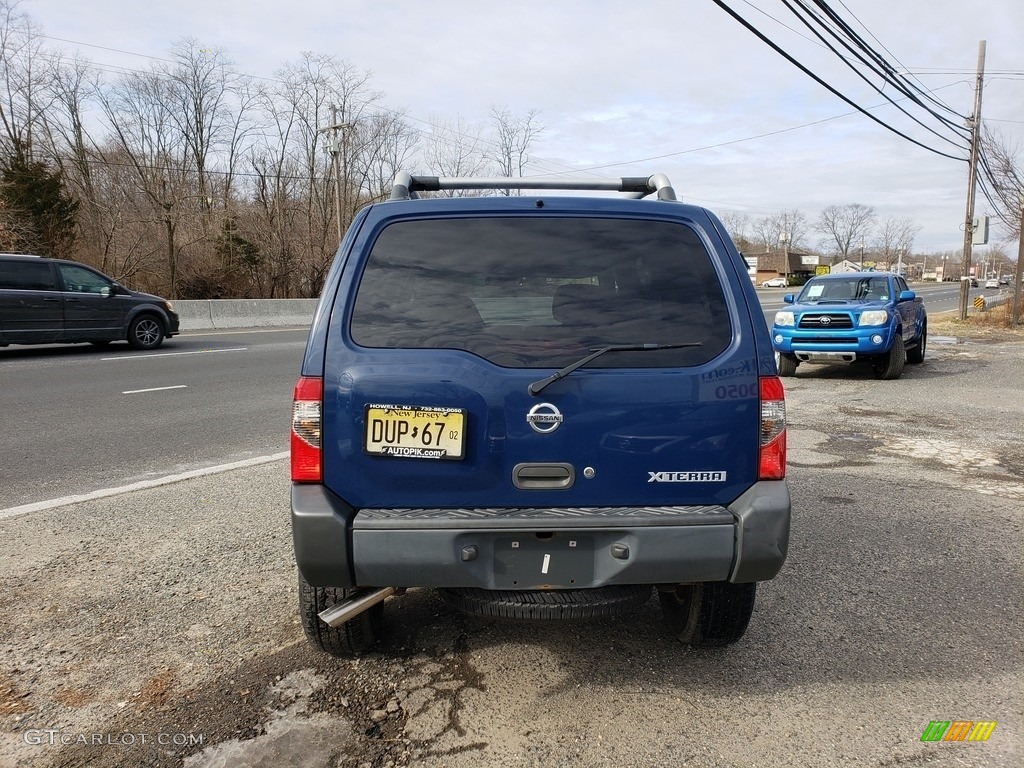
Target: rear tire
(786,365)
(710,613)
(545,605)
(890,365)
(915,355)
(353,638)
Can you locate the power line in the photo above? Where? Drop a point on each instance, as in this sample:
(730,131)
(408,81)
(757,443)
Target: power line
(821,82)
(877,64)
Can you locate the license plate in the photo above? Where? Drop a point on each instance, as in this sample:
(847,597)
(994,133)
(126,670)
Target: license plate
(415,432)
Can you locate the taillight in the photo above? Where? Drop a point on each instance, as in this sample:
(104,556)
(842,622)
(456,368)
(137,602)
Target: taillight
(307,452)
(771,459)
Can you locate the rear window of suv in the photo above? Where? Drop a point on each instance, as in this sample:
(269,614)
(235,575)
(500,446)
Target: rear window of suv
(538,292)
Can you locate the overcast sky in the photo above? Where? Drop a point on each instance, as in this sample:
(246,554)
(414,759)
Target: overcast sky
(633,88)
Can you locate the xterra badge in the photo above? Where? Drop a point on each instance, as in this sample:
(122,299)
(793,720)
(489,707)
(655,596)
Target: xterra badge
(686,477)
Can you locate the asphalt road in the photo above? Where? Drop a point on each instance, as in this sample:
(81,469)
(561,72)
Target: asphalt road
(159,628)
(78,418)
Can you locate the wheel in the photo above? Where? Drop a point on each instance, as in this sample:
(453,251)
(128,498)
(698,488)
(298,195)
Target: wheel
(563,604)
(145,332)
(890,365)
(786,364)
(353,638)
(915,355)
(710,613)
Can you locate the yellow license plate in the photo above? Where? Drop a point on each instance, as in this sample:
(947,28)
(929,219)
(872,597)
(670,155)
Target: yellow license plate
(415,432)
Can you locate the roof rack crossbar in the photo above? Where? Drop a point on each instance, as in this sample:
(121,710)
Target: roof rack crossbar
(406,185)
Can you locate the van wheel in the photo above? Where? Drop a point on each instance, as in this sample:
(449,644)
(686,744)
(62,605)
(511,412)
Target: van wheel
(915,355)
(786,365)
(890,365)
(709,613)
(353,638)
(145,332)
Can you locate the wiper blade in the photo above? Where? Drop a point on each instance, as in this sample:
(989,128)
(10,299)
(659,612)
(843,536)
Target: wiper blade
(538,386)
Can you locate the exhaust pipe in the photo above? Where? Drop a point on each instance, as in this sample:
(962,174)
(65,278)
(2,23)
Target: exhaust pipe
(338,614)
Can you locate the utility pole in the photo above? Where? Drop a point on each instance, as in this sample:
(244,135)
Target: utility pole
(972,179)
(334,146)
(784,239)
(1018,273)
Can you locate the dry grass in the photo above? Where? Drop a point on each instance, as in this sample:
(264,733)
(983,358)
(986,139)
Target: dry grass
(993,325)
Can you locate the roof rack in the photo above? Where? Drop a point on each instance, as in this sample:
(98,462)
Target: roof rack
(406,185)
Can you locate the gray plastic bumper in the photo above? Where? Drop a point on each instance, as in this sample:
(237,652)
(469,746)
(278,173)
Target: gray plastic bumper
(762,531)
(336,547)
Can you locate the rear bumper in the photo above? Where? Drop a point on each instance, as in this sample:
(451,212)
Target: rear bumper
(539,549)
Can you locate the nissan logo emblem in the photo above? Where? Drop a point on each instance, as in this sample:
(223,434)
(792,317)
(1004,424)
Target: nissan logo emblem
(544,418)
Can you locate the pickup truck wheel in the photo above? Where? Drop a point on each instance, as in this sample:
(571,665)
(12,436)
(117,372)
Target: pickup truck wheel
(890,365)
(786,364)
(353,638)
(915,355)
(710,613)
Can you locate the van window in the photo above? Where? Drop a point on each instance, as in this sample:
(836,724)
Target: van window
(542,291)
(25,275)
(81,280)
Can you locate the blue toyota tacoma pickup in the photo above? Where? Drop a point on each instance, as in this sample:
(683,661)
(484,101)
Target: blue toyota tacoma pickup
(857,317)
(545,406)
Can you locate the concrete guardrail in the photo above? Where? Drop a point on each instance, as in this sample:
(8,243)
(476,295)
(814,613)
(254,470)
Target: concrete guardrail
(244,313)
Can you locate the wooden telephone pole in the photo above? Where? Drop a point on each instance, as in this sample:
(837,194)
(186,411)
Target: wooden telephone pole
(972,179)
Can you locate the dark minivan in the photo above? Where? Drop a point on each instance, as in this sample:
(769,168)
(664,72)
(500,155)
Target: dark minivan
(54,301)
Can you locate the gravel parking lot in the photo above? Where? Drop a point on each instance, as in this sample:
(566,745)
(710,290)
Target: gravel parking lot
(159,627)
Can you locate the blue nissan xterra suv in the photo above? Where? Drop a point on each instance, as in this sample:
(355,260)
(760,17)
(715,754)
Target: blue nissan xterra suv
(853,317)
(544,406)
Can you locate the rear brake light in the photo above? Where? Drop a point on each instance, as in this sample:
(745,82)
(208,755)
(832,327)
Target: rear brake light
(306,449)
(771,460)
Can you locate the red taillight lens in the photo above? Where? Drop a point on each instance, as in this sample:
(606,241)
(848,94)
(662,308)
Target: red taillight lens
(307,452)
(771,462)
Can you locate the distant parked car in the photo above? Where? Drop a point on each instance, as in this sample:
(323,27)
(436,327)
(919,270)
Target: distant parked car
(991,283)
(775,282)
(972,281)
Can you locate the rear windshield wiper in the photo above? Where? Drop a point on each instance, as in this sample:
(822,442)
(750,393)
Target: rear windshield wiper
(537,387)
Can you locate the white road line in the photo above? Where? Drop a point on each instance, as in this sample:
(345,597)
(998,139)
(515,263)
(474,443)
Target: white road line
(142,485)
(177,354)
(197,332)
(153,389)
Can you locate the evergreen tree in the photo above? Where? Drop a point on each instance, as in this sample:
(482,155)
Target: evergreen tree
(35,198)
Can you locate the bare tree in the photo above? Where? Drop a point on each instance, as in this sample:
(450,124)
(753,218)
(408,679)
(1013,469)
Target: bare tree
(456,148)
(1004,172)
(738,225)
(25,75)
(894,240)
(514,135)
(845,227)
(212,102)
(139,109)
(770,230)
